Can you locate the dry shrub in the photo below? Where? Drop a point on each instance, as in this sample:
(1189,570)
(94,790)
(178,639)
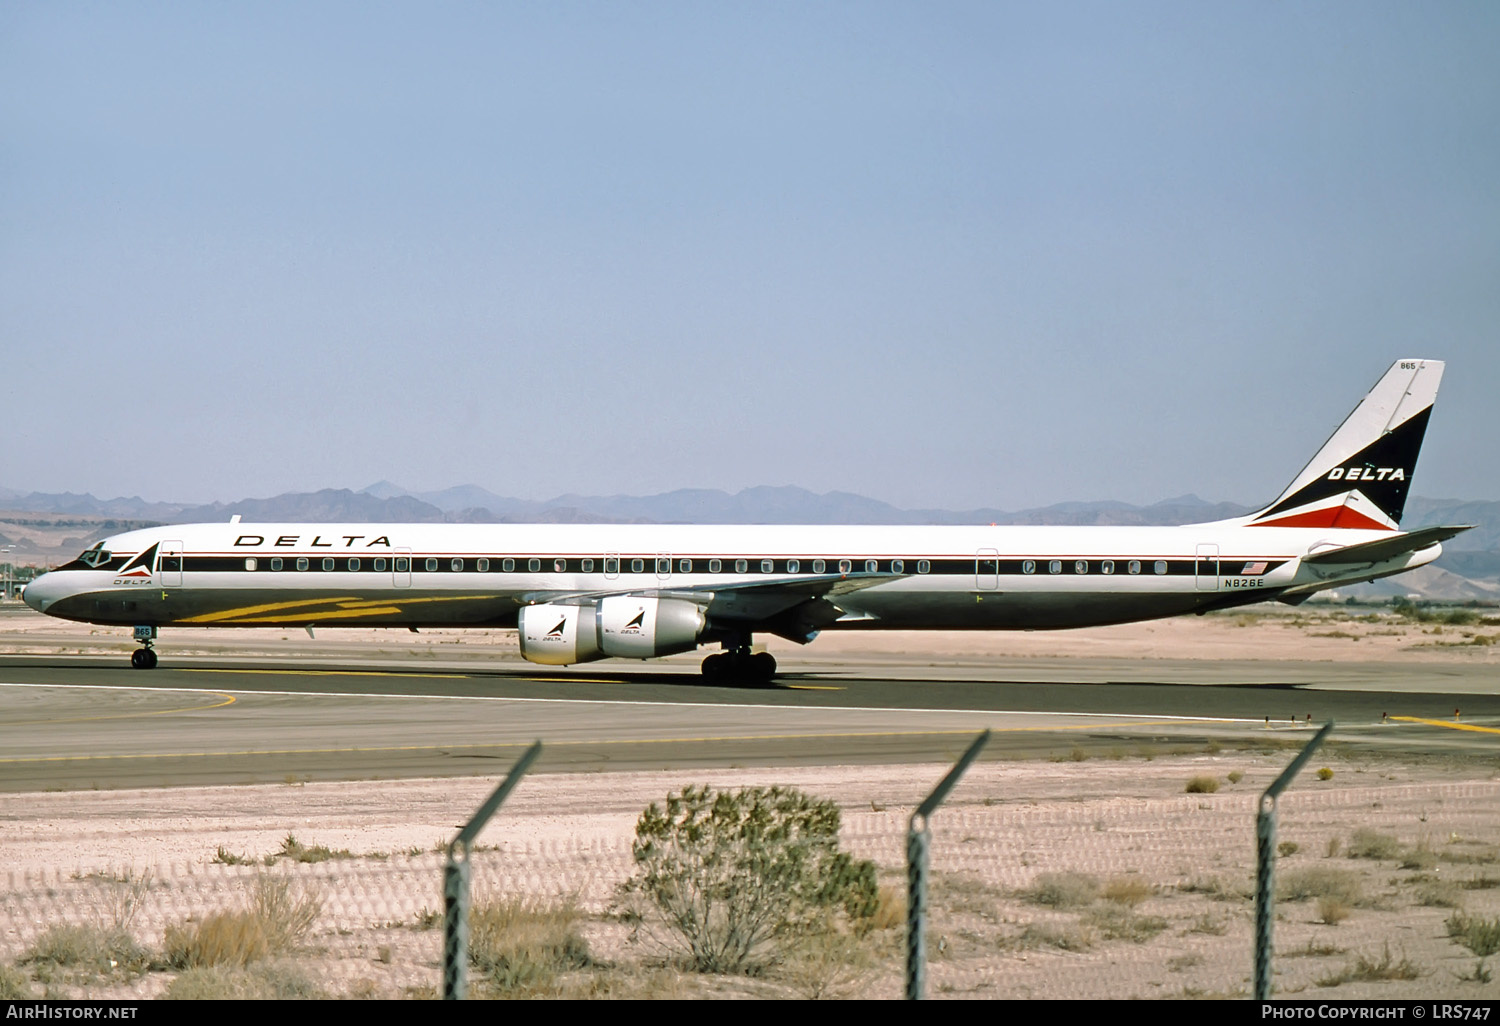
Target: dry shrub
(14,984)
(277,921)
(524,945)
(266,982)
(286,915)
(1319,882)
(220,939)
(827,961)
(89,952)
(1332,911)
(1063,890)
(1128,891)
(1063,936)
(1202,785)
(1372,844)
(1116,922)
(1439,894)
(890,909)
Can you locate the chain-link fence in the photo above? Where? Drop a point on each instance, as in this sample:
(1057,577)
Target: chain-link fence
(1386,889)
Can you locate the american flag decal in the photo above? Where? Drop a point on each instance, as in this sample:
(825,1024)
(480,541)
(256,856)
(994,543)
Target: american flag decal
(1254,569)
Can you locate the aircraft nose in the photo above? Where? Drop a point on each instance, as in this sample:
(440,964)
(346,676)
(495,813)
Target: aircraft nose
(41,593)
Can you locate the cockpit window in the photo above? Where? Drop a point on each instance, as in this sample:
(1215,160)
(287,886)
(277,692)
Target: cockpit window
(95,556)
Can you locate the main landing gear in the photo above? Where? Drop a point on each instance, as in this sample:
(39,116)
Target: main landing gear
(144,658)
(738,665)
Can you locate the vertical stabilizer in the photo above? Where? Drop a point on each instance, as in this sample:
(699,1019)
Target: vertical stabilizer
(1359,479)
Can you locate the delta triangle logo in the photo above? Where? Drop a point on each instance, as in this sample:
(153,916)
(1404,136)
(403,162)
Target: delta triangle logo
(556,632)
(635,623)
(140,566)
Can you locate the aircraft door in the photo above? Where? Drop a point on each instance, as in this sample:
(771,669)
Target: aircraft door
(611,566)
(169,564)
(1206,569)
(987,569)
(401,568)
(663,566)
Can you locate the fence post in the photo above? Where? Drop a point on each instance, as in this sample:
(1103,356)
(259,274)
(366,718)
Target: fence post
(1265,863)
(918,841)
(456,878)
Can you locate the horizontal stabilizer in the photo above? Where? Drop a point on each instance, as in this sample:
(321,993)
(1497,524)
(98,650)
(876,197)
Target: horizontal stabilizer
(1387,548)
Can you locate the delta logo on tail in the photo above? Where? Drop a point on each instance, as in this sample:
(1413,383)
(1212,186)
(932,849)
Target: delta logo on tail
(1359,479)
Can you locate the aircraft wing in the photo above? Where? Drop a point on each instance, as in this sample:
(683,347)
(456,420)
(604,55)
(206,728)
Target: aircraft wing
(748,601)
(1387,548)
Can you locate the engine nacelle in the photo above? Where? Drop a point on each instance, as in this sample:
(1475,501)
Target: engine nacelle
(638,627)
(628,626)
(557,635)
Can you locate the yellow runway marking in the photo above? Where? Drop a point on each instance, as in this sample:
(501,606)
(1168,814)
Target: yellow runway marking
(1448,723)
(228,700)
(344,673)
(960,732)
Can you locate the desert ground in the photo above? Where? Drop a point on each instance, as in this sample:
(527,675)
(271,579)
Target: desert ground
(1126,874)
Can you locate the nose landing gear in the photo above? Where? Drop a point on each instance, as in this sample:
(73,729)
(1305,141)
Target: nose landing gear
(144,658)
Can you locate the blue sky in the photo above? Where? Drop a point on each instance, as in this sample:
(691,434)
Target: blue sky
(941,254)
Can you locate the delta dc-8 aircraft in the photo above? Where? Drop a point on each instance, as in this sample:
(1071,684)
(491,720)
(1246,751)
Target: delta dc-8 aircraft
(581,592)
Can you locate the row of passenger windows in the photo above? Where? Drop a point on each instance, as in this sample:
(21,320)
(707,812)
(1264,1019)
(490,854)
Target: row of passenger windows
(612,565)
(1081,566)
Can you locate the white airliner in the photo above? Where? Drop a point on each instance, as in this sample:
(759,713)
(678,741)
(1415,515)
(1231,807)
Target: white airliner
(582,592)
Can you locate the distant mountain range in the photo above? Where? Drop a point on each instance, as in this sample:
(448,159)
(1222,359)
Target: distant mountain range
(1468,569)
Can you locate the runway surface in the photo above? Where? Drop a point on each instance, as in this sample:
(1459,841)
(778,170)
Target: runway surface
(91,723)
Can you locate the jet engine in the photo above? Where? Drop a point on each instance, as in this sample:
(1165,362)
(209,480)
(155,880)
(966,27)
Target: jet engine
(628,626)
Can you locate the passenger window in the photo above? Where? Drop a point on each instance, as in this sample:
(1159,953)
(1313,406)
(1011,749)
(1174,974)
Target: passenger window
(560,566)
(1081,566)
(403,565)
(715,565)
(1028,566)
(1054,567)
(923,566)
(1161,566)
(685,566)
(507,566)
(353,564)
(483,566)
(637,565)
(1107,567)
(1135,566)
(819,566)
(379,565)
(534,565)
(792,566)
(587,566)
(768,566)
(250,564)
(275,562)
(611,565)
(663,566)
(456,566)
(741,566)
(897,566)
(431,565)
(301,562)
(845,566)
(871,565)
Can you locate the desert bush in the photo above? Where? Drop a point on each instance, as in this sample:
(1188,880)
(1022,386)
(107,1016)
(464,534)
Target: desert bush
(277,921)
(1325,773)
(1286,848)
(1440,894)
(1128,891)
(1235,776)
(1332,911)
(730,871)
(1116,922)
(89,952)
(14,984)
(1063,890)
(828,960)
(1063,936)
(1202,785)
(268,982)
(1372,844)
(520,944)
(1318,882)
